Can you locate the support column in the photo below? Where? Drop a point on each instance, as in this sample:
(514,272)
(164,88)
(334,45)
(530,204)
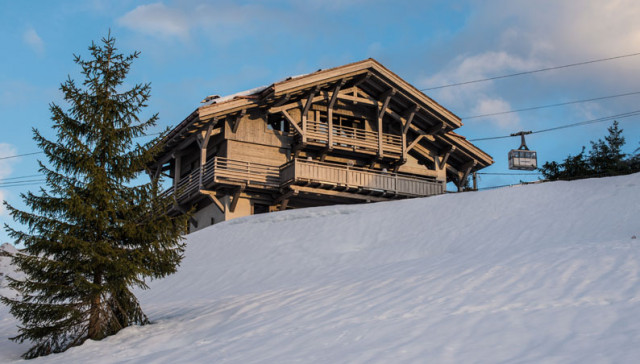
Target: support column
(177,167)
(305,110)
(405,129)
(334,97)
(381,111)
(203,142)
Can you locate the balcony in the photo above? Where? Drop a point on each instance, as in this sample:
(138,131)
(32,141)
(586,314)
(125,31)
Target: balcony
(227,172)
(358,179)
(347,138)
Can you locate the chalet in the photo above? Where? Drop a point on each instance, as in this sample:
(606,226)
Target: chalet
(354,133)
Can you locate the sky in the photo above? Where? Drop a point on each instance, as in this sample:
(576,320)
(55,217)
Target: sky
(193,48)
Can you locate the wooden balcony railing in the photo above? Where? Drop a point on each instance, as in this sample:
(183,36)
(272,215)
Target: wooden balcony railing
(353,138)
(225,171)
(247,173)
(325,173)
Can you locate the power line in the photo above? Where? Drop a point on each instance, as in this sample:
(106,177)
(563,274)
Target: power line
(19,155)
(508,174)
(34,153)
(20,177)
(551,105)
(22,183)
(593,121)
(532,71)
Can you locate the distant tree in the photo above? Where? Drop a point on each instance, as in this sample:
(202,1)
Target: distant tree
(94,233)
(606,156)
(604,159)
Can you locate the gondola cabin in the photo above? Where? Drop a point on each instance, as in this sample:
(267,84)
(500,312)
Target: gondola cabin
(523,160)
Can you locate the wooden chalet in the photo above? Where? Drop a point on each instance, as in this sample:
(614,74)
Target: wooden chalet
(354,133)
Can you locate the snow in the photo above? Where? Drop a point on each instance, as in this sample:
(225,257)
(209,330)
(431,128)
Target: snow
(538,273)
(220,100)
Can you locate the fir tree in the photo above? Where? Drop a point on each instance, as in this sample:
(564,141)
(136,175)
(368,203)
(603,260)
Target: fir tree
(604,159)
(606,156)
(94,233)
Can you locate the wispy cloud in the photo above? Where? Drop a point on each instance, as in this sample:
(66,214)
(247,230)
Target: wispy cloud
(5,170)
(479,98)
(33,40)
(157,20)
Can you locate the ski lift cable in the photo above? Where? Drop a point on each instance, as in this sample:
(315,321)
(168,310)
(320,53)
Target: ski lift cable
(550,105)
(586,122)
(531,71)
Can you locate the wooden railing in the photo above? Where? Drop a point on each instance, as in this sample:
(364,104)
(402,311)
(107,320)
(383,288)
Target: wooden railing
(248,173)
(325,173)
(343,136)
(223,171)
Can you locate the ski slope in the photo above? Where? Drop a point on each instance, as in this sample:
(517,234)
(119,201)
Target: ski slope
(546,273)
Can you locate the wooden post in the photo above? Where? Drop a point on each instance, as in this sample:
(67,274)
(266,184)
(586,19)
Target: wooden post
(305,110)
(405,129)
(475,181)
(381,111)
(204,142)
(334,97)
(177,166)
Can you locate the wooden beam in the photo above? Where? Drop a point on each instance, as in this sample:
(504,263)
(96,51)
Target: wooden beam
(282,101)
(405,128)
(213,197)
(362,79)
(234,127)
(464,172)
(340,194)
(415,142)
(235,197)
(435,129)
(409,118)
(386,96)
(177,167)
(334,97)
(292,122)
(447,153)
(305,110)
(203,141)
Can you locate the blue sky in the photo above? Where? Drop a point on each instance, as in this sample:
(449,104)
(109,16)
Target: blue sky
(191,49)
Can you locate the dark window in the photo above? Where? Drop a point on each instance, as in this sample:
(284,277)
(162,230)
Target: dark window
(277,122)
(259,208)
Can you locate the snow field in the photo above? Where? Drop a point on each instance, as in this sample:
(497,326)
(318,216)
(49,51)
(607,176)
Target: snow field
(539,273)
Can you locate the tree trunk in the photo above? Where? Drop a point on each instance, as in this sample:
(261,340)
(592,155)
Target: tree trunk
(95,321)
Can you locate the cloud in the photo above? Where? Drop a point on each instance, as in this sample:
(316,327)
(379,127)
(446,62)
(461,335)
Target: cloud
(31,38)
(478,98)
(495,105)
(157,20)
(5,169)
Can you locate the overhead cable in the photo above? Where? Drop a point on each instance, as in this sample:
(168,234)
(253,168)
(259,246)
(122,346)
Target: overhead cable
(586,122)
(532,71)
(550,105)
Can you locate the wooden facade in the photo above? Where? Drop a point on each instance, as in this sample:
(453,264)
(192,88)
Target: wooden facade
(349,134)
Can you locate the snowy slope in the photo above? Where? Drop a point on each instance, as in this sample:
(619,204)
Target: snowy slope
(540,273)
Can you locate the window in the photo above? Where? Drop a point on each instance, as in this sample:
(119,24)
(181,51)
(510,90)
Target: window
(259,208)
(277,122)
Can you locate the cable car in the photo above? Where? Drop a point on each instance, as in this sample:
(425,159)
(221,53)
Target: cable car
(522,158)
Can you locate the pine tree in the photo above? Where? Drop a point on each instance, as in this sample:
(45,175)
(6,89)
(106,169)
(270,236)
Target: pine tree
(606,156)
(94,233)
(605,159)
